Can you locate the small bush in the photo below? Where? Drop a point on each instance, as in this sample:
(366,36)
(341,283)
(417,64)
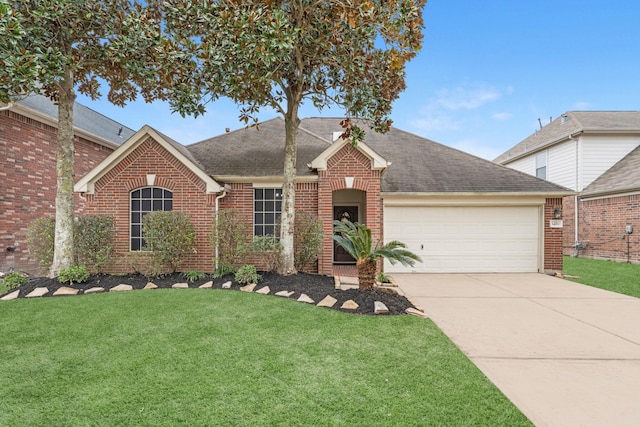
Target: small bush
(170,236)
(40,239)
(231,235)
(222,270)
(73,273)
(12,280)
(193,275)
(247,274)
(268,250)
(94,239)
(307,240)
(144,263)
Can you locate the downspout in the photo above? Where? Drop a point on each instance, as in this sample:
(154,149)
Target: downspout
(575,197)
(7,107)
(224,193)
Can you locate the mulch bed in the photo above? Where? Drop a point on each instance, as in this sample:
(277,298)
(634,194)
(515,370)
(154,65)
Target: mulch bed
(315,286)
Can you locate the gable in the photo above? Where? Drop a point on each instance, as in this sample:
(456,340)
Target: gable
(170,151)
(342,148)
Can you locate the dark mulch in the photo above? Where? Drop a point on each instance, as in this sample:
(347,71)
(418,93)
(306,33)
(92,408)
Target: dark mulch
(315,286)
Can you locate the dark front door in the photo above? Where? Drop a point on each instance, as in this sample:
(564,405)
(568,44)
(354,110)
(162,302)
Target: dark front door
(340,256)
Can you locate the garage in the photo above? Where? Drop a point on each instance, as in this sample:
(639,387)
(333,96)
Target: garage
(467,239)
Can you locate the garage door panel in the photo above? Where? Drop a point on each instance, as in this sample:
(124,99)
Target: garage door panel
(466,239)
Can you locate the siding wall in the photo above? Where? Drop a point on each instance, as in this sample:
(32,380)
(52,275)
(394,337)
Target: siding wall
(598,153)
(561,166)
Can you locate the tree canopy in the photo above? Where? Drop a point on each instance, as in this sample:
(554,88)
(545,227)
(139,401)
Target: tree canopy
(55,47)
(279,54)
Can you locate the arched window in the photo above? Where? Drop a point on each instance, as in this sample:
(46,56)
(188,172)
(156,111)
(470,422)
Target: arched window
(143,201)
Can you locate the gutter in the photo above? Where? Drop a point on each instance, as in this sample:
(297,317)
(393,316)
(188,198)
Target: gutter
(7,107)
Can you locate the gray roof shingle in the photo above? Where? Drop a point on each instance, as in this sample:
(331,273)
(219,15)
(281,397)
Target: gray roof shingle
(83,118)
(570,123)
(418,164)
(624,176)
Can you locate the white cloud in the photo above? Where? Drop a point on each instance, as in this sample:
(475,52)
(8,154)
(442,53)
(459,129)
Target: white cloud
(502,116)
(434,123)
(466,98)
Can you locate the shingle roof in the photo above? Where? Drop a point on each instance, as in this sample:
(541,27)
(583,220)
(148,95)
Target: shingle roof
(624,176)
(418,164)
(83,118)
(573,122)
(256,151)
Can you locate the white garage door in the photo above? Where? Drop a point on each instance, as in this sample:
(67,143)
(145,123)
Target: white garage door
(466,239)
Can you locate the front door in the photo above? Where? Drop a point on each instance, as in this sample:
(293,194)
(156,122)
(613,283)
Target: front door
(340,256)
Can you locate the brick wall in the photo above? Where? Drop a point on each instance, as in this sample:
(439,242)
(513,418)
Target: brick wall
(112,197)
(552,237)
(241,198)
(28,182)
(350,162)
(602,228)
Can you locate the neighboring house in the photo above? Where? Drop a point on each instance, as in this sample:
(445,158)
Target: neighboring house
(596,154)
(28,130)
(458,212)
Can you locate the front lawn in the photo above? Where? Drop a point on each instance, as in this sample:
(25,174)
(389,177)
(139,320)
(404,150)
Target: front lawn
(613,276)
(208,357)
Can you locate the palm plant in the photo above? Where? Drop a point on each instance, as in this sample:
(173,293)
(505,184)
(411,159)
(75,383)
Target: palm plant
(357,241)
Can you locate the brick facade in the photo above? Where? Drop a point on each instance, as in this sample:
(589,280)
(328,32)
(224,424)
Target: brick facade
(112,197)
(347,162)
(602,228)
(552,237)
(28,182)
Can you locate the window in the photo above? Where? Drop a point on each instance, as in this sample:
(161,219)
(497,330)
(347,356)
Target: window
(267,205)
(541,165)
(143,201)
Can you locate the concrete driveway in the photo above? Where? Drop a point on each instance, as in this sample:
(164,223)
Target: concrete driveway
(565,354)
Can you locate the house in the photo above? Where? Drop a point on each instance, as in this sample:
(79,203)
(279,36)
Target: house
(458,212)
(28,130)
(596,154)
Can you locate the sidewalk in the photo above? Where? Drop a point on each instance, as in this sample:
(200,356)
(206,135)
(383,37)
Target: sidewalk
(565,354)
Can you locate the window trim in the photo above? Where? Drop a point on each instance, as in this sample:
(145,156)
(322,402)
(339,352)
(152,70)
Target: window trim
(541,164)
(277,213)
(142,212)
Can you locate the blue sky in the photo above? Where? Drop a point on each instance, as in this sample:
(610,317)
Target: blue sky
(487,72)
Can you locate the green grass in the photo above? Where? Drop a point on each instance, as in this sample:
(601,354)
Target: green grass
(613,276)
(207,358)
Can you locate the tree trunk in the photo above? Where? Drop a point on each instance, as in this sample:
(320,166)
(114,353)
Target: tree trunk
(366,273)
(287,219)
(63,240)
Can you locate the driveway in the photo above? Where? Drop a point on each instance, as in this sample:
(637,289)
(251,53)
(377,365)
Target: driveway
(565,354)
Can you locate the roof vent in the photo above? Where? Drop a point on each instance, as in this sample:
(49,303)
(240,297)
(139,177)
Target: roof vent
(563,119)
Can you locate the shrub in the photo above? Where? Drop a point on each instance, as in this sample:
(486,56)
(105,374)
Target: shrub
(144,263)
(308,238)
(40,239)
(73,273)
(383,278)
(12,280)
(193,275)
(247,274)
(268,250)
(231,235)
(170,236)
(94,239)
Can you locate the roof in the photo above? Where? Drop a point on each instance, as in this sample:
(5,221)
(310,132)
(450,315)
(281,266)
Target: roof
(84,119)
(622,177)
(87,183)
(573,123)
(417,165)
